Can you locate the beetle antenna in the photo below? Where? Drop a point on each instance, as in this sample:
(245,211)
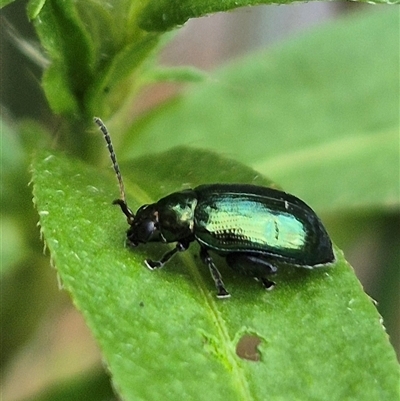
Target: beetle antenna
(122,201)
(110,147)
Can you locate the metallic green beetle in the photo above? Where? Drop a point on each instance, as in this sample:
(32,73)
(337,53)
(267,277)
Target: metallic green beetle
(253,227)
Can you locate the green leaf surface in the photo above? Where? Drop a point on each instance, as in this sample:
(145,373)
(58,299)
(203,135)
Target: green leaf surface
(3,3)
(319,114)
(165,335)
(161,15)
(176,74)
(34,7)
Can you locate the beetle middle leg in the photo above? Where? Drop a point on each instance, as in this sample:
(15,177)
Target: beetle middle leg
(215,274)
(252,265)
(158,264)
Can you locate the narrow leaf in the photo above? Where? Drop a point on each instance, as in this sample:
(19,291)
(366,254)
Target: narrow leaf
(3,3)
(164,334)
(161,15)
(63,35)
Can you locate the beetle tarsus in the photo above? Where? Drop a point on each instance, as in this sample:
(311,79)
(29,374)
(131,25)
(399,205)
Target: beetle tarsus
(153,264)
(268,285)
(223,293)
(215,274)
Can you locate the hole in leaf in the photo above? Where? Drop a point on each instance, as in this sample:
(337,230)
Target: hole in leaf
(246,348)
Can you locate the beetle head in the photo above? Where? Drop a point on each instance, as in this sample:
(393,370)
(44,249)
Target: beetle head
(144,227)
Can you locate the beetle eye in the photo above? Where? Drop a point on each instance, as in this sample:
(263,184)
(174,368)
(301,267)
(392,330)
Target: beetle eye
(144,227)
(144,230)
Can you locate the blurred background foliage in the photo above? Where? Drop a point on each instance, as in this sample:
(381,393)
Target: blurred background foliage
(45,343)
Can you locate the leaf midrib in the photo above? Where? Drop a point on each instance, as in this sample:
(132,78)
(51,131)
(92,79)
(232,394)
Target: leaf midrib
(210,305)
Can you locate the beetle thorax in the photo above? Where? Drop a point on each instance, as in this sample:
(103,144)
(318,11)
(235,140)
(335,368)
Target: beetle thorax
(176,216)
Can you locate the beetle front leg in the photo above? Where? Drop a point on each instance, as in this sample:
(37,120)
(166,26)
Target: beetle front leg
(215,274)
(158,264)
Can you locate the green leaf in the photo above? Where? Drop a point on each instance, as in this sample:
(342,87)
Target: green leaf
(64,37)
(34,7)
(319,114)
(165,335)
(161,15)
(3,3)
(93,51)
(113,75)
(61,99)
(176,74)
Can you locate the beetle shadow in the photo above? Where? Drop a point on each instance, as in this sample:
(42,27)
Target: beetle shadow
(293,279)
(155,251)
(288,276)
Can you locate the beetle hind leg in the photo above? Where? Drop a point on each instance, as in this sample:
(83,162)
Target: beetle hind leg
(253,265)
(215,274)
